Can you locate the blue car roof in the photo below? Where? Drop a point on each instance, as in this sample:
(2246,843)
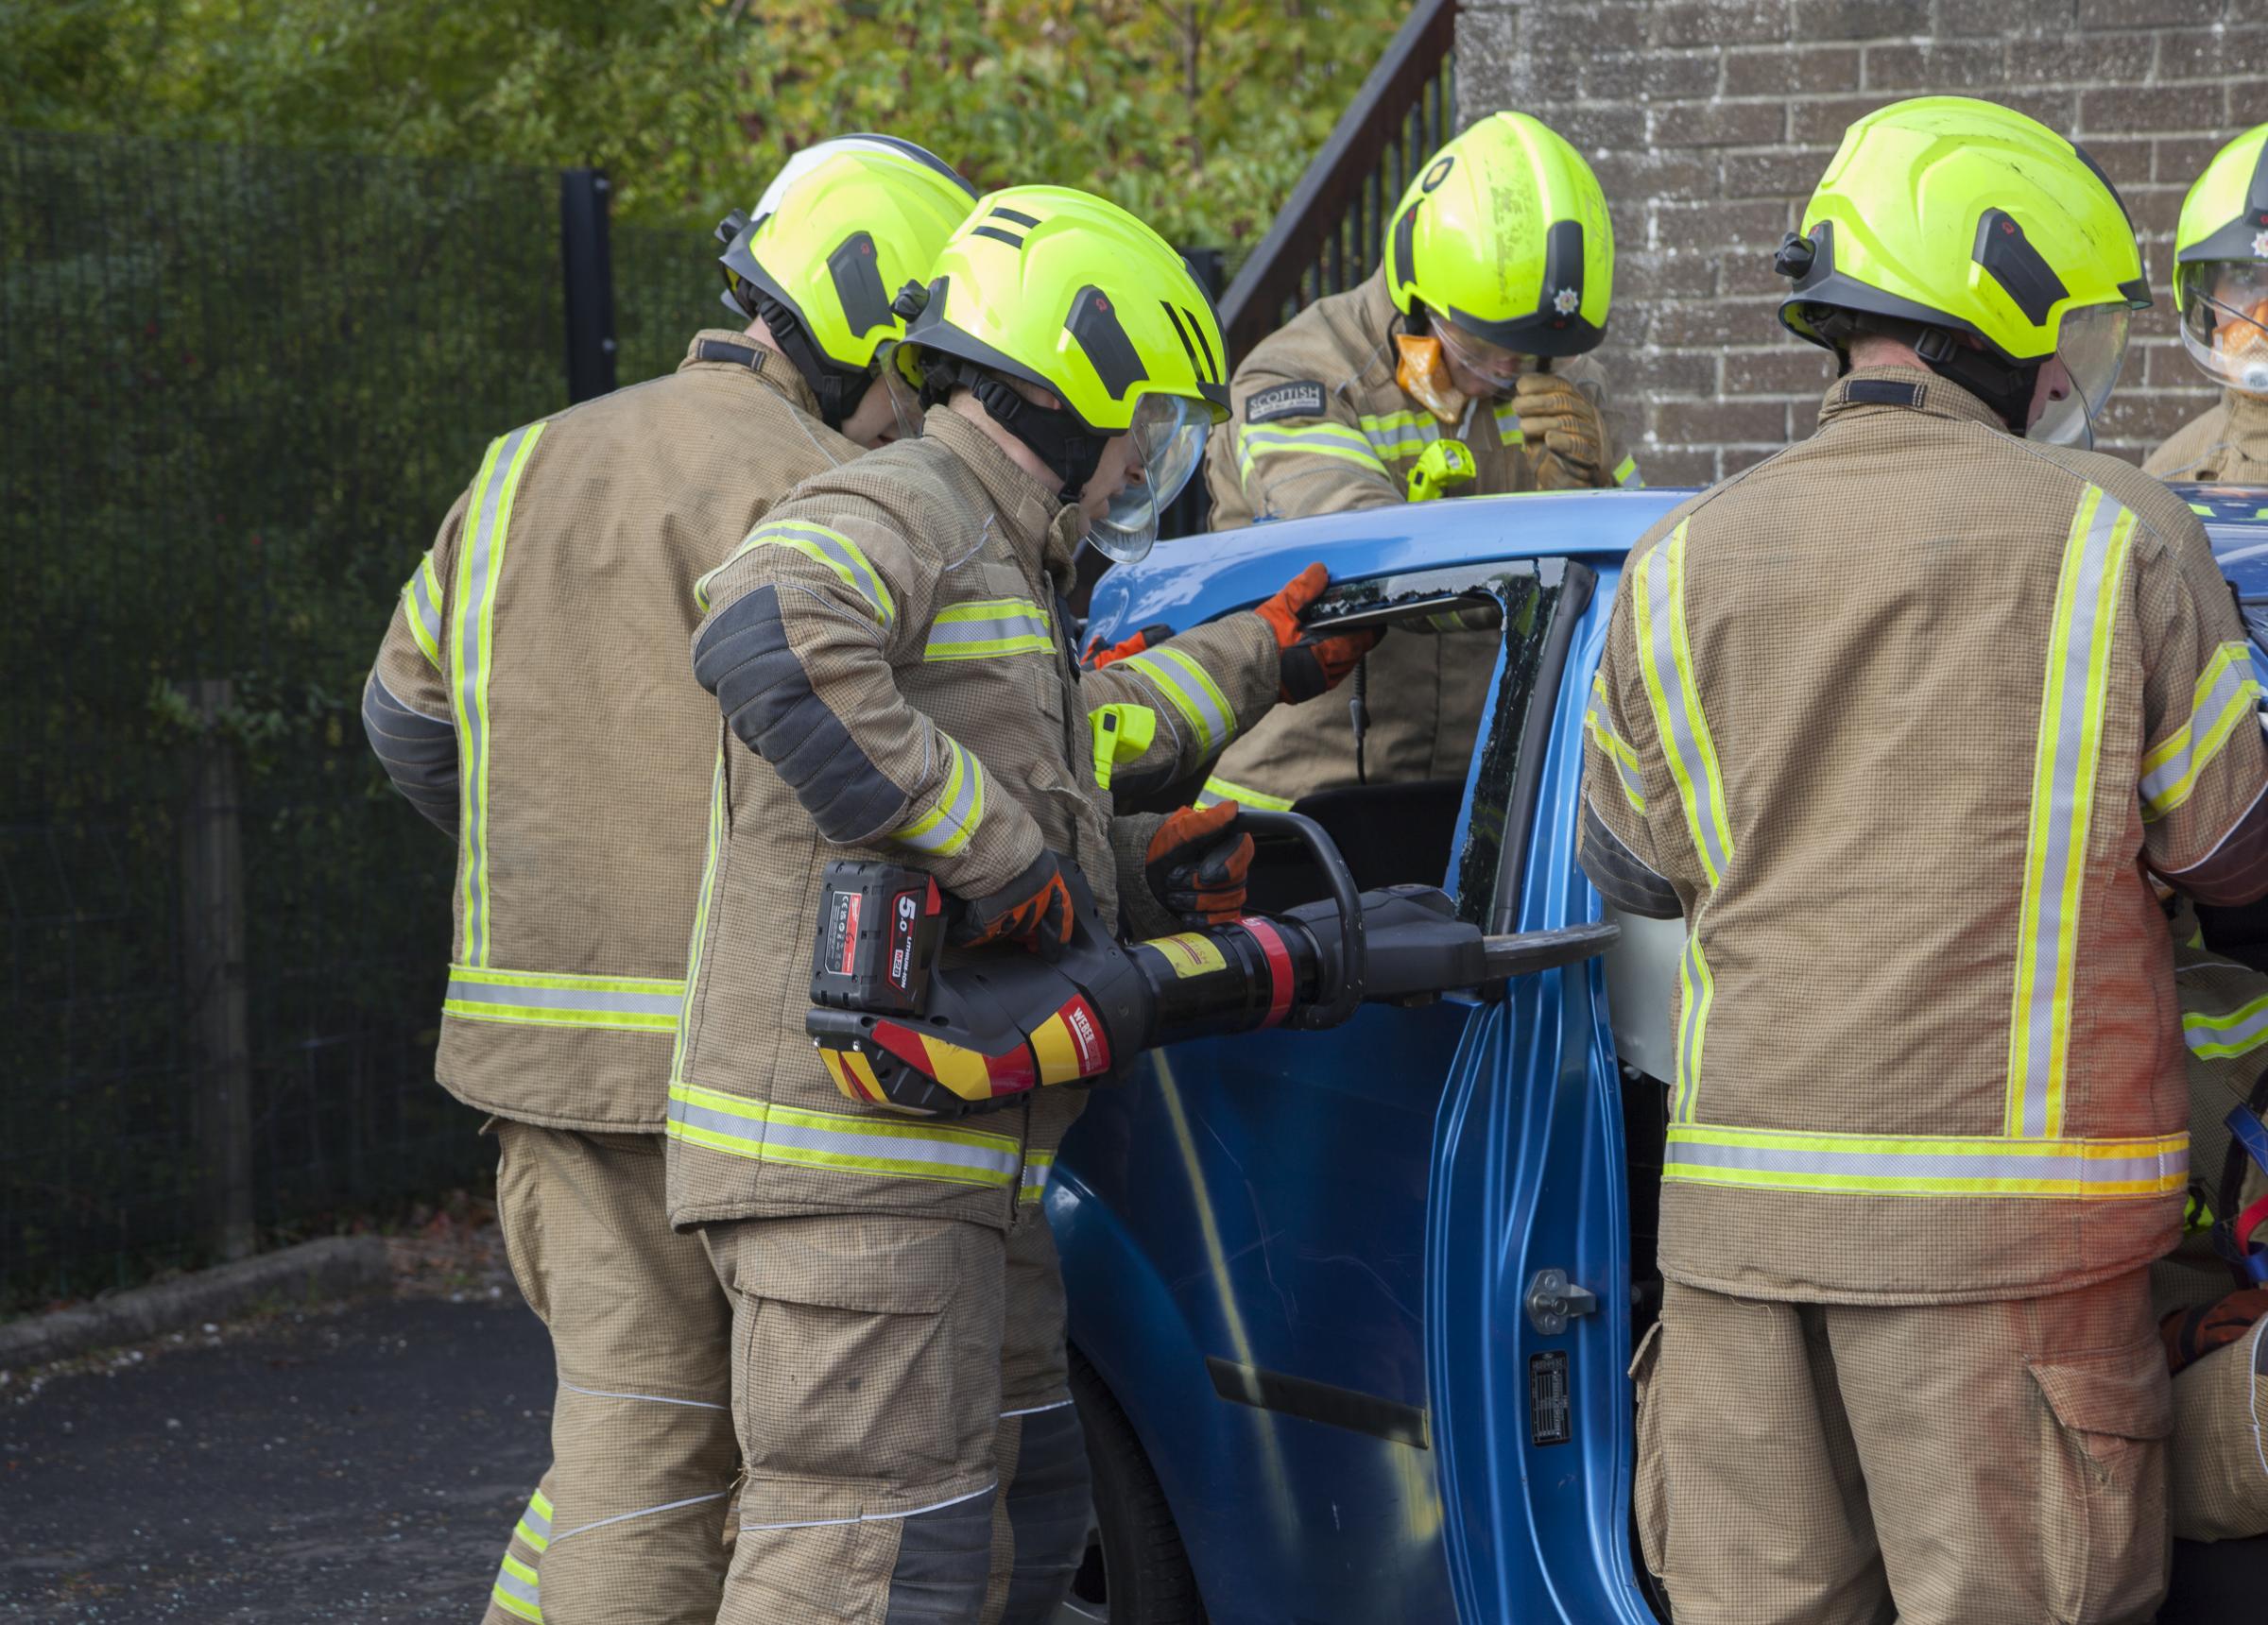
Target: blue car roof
(1188,581)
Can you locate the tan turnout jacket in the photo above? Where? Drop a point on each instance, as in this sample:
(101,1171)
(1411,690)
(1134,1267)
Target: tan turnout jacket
(890,639)
(1320,425)
(2228,445)
(531,695)
(1900,715)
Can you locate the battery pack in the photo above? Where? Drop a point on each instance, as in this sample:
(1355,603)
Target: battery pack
(877,938)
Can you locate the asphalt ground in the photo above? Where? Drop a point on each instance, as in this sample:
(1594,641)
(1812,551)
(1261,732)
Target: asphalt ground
(363,1461)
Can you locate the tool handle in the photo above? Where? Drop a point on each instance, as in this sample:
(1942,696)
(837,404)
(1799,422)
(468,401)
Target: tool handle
(1336,1001)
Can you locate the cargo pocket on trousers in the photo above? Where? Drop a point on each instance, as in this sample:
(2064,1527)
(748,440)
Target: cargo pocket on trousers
(1650,1481)
(2102,1481)
(865,1347)
(519,1216)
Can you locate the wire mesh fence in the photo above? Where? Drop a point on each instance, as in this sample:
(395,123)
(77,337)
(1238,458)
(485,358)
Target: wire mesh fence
(237,390)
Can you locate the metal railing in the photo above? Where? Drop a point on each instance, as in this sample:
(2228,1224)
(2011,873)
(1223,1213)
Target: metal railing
(1331,231)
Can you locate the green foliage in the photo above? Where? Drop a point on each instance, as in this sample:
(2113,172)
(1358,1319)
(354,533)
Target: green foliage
(1198,116)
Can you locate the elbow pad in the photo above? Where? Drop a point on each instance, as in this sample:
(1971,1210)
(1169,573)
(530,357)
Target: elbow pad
(743,658)
(417,752)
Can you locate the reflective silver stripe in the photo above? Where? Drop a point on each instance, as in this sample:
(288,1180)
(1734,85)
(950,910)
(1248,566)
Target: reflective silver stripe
(1613,746)
(2216,1038)
(839,548)
(2066,1171)
(476,594)
(1038,1165)
(2199,742)
(1696,774)
(587,1000)
(1192,692)
(538,1521)
(946,827)
(511,1584)
(946,1154)
(2062,811)
(993,630)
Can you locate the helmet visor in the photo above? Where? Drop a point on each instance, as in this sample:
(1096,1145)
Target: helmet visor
(1497,368)
(2225,320)
(1167,438)
(2088,347)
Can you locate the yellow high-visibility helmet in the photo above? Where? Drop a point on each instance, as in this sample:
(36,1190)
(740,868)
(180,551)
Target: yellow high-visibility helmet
(1070,292)
(1504,235)
(840,228)
(1984,238)
(2220,266)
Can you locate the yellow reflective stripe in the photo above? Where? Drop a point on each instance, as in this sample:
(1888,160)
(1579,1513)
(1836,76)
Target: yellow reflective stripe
(1927,1165)
(542,999)
(471,653)
(1316,439)
(2239,1031)
(1626,472)
(535,1524)
(959,808)
(1696,993)
(421,606)
(733,1125)
(700,914)
(989,628)
(1190,689)
(1038,1165)
(516,1591)
(2226,694)
(1218,789)
(1399,434)
(1666,659)
(823,545)
(2069,750)
(1613,746)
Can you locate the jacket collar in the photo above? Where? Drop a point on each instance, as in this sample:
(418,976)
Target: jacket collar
(721,350)
(2247,418)
(1035,525)
(1910,388)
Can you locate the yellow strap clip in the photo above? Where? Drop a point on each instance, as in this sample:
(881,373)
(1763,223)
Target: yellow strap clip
(1443,464)
(1122,732)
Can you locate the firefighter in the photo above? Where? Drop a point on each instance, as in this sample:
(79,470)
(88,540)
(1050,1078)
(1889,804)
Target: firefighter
(530,698)
(2220,294)
(2211,1293)
(1462,367)
(1899,722)
(894,663)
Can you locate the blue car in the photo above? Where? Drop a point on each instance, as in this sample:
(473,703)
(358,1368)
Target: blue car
(1352,1311)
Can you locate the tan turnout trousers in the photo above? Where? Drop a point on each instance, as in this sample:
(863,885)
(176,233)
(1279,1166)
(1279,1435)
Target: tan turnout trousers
(2013,1460)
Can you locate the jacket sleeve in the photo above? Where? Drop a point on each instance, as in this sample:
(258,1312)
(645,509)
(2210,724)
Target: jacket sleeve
(800,629)
(1621,462)
(1625,781)
(1205,687)
(2204,767)
(1298,464)
(1140,916)
(406,706)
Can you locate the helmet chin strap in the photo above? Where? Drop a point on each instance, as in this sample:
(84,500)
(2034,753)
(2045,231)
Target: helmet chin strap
(838,388)
(1070,450)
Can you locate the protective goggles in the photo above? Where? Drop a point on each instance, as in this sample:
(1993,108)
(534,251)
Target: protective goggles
(2225,320)
(2090,346)
(1498,367)
(1168,439)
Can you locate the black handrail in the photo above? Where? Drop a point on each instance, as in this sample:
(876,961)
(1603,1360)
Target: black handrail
(1331,233)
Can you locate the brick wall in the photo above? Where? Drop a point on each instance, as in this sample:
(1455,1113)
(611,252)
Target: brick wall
(1709,124)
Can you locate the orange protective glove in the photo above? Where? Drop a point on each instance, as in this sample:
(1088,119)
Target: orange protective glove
(1196,864)
(1311,664)
(1097,657)
(1565,438)
(1034,909)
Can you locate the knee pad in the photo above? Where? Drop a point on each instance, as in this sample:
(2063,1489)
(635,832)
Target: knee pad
(1049,1505)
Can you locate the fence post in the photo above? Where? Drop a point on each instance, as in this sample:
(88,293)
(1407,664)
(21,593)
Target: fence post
(587,275)
(213,947)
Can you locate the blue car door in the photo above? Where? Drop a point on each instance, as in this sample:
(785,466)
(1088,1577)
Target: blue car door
(1286,1252)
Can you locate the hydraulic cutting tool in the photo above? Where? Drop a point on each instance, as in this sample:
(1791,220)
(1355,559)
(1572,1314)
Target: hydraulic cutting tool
(899,1023)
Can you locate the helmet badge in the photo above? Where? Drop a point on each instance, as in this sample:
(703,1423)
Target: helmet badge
(2259,245)
(1566,301)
